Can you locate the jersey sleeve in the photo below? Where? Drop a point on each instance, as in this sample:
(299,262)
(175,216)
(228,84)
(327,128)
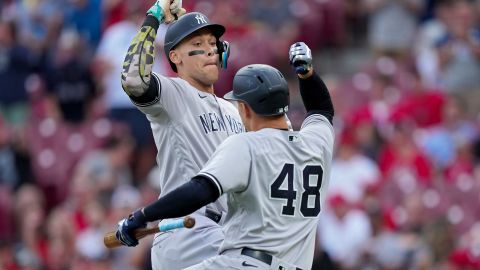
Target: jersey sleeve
(318,126)
(169,99)
(229,167)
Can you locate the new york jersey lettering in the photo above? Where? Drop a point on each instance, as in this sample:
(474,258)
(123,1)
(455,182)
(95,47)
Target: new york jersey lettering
(212,122)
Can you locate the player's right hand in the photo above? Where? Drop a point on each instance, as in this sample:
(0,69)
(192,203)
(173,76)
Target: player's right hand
(127,226)
(176,8)
(164,10)
(300,57)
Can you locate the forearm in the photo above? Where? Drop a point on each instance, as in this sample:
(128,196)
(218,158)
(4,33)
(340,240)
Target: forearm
(315,95)
(184,200)
(138,63)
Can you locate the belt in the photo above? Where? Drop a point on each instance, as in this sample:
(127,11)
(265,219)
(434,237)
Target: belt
(259,255)
(213,215)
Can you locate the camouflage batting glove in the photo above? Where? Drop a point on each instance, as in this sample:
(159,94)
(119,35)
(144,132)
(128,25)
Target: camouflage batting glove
(300,57)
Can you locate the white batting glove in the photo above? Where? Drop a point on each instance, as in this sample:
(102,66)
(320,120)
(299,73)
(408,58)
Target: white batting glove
(175,7)
(300,57)
(166,11)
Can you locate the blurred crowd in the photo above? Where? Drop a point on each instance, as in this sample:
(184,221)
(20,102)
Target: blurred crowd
(76,155)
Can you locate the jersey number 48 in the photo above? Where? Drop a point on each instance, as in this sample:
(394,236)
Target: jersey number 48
(290,193)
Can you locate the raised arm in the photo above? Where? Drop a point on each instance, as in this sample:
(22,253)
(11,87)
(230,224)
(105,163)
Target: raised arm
(137,67)
(313,90)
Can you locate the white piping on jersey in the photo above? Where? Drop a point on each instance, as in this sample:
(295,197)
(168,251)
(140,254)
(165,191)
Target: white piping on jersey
(214,180)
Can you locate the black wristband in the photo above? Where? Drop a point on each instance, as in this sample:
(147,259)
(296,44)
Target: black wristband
(151,21)
(150,96)
(138,215)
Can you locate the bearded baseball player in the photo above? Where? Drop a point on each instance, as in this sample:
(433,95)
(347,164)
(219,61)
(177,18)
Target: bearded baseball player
(187,119)
(275,179)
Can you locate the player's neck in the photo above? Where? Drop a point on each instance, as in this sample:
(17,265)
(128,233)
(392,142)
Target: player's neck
(204,88)
(198,85)
(277,123)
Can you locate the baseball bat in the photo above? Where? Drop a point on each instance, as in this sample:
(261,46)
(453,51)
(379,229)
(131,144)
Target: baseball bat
(111,241)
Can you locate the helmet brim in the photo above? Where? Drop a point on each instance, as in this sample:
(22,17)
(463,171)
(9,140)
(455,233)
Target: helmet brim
(216,29)
(230,96)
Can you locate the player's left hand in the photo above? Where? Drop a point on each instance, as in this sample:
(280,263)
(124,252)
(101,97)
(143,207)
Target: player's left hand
(126,227)
(300,57)
(176,8)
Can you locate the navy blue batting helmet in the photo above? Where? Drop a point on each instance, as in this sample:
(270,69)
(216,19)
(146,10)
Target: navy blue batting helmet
(263,88)
(186,25)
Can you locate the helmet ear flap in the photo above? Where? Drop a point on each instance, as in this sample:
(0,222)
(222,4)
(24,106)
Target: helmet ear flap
(223,53)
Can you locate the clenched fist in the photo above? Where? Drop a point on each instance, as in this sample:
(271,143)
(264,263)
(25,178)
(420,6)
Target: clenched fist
(127,226)
(300,57)
(166,11)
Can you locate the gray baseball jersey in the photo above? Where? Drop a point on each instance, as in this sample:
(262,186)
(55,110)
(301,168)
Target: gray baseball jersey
(187,126)
(276,182)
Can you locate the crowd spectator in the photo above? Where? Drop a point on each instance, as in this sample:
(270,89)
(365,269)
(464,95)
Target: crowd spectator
(352,172)
(458,50)
(343,231)
(108,61)
(108,167)
(8,170)
(69,80)
(61,236)
(16,64)
(30,216)
(442,142)
(425,48)
(38,22)
(386,34)
(85,16)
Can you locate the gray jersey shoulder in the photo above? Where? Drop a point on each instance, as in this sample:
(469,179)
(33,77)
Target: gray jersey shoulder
(173,95)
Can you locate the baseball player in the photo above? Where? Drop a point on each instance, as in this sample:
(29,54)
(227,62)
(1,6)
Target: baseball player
(275,179)
(187,119)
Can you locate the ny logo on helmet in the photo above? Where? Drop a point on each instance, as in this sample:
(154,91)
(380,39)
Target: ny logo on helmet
(200,19)
(282,110)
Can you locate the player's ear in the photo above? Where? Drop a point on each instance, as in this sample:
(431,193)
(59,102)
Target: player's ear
(174,57)
(242,109)
(248,111)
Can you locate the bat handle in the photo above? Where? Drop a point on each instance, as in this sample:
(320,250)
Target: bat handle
(186,222)
(141,233)
(111,241)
